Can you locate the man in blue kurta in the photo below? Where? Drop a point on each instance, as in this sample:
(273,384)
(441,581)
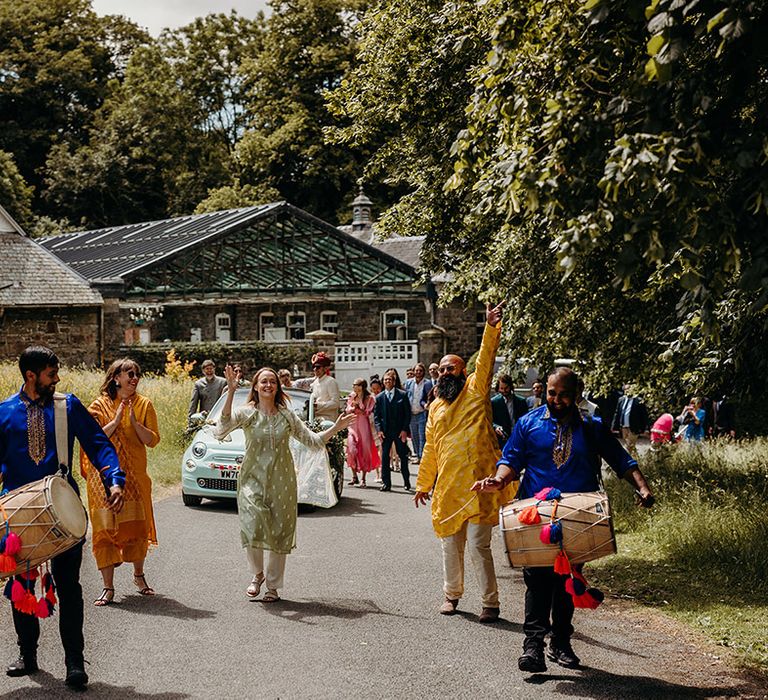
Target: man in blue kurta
(554,446)
(27,454)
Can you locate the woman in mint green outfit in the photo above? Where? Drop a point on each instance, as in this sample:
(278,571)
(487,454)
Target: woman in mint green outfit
(266,488)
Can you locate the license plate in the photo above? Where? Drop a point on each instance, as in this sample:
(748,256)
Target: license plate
(226,471)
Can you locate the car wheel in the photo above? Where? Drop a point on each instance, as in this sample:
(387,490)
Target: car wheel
(338,482)
(191,500)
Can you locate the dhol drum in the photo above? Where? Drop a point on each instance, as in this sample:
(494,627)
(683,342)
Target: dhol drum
(586,526)
(48,517)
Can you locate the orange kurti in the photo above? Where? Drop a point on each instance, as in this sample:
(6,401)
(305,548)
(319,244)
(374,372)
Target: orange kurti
(124,536)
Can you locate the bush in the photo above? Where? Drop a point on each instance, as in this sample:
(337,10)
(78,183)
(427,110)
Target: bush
(251,355)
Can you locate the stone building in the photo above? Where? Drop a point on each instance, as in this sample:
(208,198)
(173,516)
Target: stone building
(273,273)
(43,302)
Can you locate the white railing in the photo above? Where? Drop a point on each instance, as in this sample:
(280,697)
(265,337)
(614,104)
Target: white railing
(354,360)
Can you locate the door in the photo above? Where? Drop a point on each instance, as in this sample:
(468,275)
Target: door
(223,327)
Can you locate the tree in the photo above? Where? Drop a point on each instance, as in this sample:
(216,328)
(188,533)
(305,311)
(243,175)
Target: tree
(617,200)
(15,193)
(308,46)
(57,58)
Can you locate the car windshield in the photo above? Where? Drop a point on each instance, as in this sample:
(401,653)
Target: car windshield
(298,402)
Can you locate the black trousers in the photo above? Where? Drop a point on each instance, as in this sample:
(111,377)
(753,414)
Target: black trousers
(65,569)
(402,453)
(548,607)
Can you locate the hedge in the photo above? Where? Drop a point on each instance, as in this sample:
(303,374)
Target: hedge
(251,355)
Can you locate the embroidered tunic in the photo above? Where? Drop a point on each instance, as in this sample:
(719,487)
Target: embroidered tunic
(325,392)
(461,448)
(266,484)
(25,424)
(133,528)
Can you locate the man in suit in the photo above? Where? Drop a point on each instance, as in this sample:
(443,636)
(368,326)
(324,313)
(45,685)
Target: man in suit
(392,416)
(506,408)
(630,419)
(418,389)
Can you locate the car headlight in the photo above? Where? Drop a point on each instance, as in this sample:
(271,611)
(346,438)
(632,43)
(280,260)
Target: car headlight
(199,449)
(190,465)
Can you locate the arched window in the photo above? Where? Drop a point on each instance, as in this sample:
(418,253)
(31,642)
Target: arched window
(296,322)
(394,324)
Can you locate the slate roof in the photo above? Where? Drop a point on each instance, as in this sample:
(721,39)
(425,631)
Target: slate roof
(406,249)
(30,276)
(127,251)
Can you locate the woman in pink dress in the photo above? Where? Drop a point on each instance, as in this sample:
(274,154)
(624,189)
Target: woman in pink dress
(362,453)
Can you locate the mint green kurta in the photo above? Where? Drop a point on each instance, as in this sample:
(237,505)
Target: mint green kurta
(266,485)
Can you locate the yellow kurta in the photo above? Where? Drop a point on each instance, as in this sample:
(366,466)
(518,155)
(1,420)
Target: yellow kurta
(123,536)
(461,448)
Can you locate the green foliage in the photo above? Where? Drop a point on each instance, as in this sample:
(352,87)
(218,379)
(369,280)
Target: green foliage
(618,206)
(251,354)
(237,196)
(704,533)
(15,194)
(307,47)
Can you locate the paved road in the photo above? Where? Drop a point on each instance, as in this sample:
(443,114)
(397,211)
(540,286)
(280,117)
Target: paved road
(358,619)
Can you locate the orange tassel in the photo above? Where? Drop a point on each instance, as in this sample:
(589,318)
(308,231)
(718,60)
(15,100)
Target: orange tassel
(529,516)
(7,564)
(562,565)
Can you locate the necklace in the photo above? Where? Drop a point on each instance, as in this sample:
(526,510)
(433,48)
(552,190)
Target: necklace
(561,449)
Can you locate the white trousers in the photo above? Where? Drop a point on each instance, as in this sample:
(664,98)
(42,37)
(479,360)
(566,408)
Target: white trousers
(479,539)
(275,566)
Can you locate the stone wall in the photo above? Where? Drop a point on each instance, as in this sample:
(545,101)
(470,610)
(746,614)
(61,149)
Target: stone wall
(358,320)
(71,332)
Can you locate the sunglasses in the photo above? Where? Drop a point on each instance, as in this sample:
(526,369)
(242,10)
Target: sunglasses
(132,374)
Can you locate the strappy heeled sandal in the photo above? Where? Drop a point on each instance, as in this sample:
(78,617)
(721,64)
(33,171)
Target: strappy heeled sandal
(253,590)
(146,589)
(270,596)
(106,598)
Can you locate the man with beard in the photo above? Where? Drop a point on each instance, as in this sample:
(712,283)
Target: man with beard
(28,453)
(461,447)
(555,446)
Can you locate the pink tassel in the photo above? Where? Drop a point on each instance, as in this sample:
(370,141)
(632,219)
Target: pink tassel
(544,534)
(12,544)
(42,610)
(17,592)
(542,495)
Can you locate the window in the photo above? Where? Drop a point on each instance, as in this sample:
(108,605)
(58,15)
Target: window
(195,335)
(296,322)
(266,320)
(479,327)
(329,321)
(394,324)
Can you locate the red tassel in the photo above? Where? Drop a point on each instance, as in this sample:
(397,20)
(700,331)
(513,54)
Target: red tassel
(562,565)
(28,604)
(42,610)
(12,544)
(50,596)
(17,592)
(529,516)
(7,564)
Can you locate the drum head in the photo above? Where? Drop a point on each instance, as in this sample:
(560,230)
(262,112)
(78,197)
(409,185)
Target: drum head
(68,507)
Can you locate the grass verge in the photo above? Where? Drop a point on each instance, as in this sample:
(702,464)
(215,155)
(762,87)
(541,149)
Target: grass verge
(701,554)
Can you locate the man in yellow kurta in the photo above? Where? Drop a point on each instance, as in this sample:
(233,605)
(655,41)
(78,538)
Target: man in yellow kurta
(462,447)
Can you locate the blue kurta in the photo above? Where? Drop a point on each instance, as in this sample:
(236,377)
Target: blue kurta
(529,452)
(18,467)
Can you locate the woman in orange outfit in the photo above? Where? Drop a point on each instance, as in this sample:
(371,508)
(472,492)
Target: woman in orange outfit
(130,421)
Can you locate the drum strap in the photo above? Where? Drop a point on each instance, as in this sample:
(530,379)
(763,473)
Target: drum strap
(61,429)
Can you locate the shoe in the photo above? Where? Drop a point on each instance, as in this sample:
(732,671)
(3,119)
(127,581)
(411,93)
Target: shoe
(385,488)
(563,655)
(532,660)
(353,482)
(140,581)
(270,596)
(107,597)
(23,666)
(488,616)
(449,606)
(254,587)
(378,480)
(408,489)
(76,678)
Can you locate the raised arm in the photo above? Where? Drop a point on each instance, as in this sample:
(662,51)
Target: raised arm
(489,346)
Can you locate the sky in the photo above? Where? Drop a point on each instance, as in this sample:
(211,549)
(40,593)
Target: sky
(155,15)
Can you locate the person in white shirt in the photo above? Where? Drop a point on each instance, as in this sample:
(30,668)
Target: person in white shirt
(585,406)
(418,389)
(325,389)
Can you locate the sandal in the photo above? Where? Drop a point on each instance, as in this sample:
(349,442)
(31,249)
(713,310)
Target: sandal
(106,598)
(353,482)
(255,587)
(270,596)
(363,485)
(146,589)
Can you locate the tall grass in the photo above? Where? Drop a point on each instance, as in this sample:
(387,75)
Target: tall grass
(702,551)
(170,399)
